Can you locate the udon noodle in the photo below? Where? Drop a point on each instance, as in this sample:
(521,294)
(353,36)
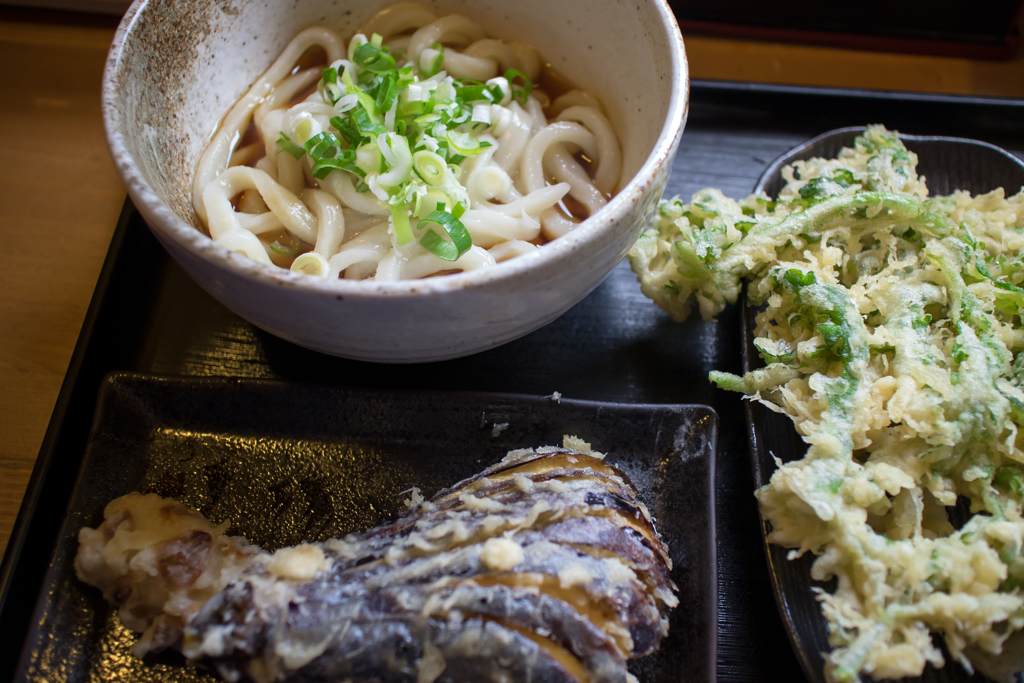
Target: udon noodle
(422,148)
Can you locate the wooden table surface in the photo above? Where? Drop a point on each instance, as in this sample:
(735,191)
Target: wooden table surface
(60,196)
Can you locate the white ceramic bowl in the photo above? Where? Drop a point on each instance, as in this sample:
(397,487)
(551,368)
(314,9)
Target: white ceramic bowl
(177,66)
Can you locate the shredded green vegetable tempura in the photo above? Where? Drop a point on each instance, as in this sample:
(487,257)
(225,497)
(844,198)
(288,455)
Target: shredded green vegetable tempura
(892,337)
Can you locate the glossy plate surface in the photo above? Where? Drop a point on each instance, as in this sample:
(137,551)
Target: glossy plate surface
(289,462)
(947,164)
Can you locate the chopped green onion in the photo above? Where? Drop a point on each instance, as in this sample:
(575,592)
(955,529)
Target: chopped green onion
(361,117)
(368,79)
(431,136)
(349,131)
(481,115)
(462,117)
(406,77)
(311,263)
(369,105)
(345,161)
(413,109)
(400,219)
(357,40)
(327,155)
(425,120)
(431,198)
(442,149)
(435,63)
(333,93)
(374,58)
(439,247)
(478,93)
(285,144)
(430,167)
(346,79)
(321,145)
(387,92)
(369,158)
(328,86)
(464,143)
(287,250)
(521,93)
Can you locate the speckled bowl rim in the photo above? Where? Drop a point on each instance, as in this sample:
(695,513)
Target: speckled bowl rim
(172,226)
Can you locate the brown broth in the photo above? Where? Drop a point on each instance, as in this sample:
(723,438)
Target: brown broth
(553,83)
(313,56)
(573,208)
(288,241)
(302,94)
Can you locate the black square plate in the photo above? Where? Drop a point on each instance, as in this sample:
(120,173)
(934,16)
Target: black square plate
(289,462)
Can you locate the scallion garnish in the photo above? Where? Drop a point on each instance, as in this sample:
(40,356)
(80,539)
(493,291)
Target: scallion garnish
(403,132)
(364,122)
(406,77)
(412,109)
(387,92)
(465,144)
(431,198)
(348,130)
(321,145)
(374,59)
(438,246)
(430,167)
(291,249)
(521,93)
(400,219)
(285,144)
(328,87)
(478,93)
(435,57)
(345,161)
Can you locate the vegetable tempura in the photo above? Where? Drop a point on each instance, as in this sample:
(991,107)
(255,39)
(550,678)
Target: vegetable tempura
(891,332)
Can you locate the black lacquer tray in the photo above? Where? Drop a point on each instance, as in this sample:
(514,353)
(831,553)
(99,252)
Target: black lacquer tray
(146,316)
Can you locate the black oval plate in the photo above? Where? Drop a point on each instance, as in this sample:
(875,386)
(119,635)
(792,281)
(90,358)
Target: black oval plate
(947,164)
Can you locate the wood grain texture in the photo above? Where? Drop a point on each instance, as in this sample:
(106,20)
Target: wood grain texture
(50,69)
(60,202)
(738,60)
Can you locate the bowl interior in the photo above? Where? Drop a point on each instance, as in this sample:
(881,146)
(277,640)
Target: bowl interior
(183,63)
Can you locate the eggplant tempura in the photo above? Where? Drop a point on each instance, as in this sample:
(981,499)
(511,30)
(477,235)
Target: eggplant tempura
(542,567)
